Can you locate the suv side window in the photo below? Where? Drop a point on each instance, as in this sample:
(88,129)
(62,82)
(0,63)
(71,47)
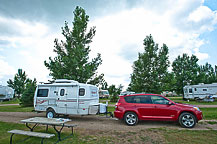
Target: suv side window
(144,99)
(159,100)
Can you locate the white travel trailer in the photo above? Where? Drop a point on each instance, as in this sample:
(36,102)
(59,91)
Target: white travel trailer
(103,93)
(6,93)
(67,97)
(200,91)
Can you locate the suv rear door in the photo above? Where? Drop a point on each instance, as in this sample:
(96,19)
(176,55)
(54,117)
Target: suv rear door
(142,104)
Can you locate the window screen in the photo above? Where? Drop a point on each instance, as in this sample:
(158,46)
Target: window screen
(62,92)
(42,93)
(81,92)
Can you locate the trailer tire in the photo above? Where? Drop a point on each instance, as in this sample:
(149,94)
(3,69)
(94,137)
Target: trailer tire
(51,113)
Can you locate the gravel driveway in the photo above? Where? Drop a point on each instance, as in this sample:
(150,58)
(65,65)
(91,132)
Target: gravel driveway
(101,123)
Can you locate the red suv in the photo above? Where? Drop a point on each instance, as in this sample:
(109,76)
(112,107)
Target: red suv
(134,107)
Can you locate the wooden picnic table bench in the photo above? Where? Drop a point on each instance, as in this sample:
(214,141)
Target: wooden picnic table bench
(30,133)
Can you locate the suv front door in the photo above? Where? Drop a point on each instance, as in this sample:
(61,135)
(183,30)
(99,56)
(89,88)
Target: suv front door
(162,109)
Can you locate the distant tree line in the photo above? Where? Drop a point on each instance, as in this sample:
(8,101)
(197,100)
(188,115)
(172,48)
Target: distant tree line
(151,75)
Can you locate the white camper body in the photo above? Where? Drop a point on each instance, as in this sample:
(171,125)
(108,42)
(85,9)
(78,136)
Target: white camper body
(6,93)
(200,91)
(67,97)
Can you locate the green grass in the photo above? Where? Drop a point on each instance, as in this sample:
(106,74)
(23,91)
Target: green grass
(175,98)
(173,136)
(15,108)
(209,113)
(13,101)
(196,103)
(212,122)
(111,108)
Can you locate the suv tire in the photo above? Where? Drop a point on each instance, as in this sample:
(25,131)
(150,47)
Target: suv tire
(187,120)
(50,113)
(131,118)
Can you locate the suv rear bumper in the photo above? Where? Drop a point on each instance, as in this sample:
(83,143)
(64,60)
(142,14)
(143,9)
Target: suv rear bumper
(118,114)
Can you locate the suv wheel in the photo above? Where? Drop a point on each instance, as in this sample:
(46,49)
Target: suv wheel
(50,113)
(187,120)
(131,118)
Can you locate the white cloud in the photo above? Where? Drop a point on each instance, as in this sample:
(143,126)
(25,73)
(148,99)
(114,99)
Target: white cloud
(179,25)
(5,69)
(31,43)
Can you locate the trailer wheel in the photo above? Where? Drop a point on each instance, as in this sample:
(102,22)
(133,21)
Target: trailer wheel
(50,113)
(187,120)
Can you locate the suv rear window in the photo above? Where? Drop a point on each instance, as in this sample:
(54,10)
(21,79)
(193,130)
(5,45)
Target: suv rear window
(129,99)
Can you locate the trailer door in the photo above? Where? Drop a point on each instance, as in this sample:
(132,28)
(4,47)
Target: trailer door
(72,100)
(61,100)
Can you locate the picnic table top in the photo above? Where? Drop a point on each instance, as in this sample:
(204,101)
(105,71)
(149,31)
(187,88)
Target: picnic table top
(47,121)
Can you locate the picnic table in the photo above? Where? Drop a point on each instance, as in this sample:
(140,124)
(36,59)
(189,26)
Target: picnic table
(31,123)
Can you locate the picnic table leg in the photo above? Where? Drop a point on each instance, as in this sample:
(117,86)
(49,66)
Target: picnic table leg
(58,132)
(72,130)
(46,128)
(31,128)
(11,138)
(42,140)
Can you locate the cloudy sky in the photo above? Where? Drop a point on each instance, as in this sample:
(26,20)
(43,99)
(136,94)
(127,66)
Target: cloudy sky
(28,29)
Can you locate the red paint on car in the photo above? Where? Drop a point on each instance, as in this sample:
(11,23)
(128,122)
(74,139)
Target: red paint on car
(136,107)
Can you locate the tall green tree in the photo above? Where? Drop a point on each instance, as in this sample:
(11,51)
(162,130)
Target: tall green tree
(19,82)
(28,94)
(185,69)
(114,92)
(72,60)
(150,69)
(206,74)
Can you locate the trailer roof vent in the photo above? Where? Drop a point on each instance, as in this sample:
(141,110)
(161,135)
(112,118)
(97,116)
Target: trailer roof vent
(65,81)
(214,83)
(201,83)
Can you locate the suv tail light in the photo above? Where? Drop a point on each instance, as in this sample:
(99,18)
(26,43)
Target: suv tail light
(116,105)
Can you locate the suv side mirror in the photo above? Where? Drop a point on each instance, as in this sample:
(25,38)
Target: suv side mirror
(170,103)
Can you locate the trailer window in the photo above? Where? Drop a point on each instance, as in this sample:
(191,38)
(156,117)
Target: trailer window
(42,93)
(62,92)
(204,89)
(195,89)
(81,92)
(190,90)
